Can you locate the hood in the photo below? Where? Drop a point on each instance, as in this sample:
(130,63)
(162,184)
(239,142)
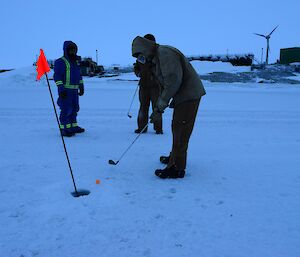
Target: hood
(67,44)
(143,46)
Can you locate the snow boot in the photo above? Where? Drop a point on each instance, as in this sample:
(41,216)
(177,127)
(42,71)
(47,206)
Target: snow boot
(170,173)
(67,133)
(164,159)
(78,129)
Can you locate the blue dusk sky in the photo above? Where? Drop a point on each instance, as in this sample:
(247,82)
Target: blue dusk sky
(194,27)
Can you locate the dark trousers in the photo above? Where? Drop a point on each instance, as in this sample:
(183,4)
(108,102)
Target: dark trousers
(184,117)
(147,95)
(69,106)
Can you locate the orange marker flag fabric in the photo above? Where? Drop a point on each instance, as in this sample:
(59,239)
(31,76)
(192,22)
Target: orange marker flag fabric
(42,65)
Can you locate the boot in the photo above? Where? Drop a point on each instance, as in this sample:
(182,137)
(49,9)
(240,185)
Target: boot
(67,133)
(164,159)
(170,173)
(78,129)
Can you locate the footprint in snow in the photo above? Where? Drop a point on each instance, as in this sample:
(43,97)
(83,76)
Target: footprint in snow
(159,216)
(168,196)
(129,193)
(178,245)
(173,190)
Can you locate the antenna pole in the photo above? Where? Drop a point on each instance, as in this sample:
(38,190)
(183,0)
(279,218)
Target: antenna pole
(97,56)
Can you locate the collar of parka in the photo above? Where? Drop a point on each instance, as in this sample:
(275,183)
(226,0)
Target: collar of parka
(141,45)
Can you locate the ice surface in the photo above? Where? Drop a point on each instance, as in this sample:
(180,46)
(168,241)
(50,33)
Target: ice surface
(240,196)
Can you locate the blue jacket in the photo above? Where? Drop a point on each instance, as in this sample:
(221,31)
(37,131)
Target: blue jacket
(66,71)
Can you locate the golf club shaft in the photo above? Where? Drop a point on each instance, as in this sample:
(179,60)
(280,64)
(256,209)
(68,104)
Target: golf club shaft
(128,113)
(132,143)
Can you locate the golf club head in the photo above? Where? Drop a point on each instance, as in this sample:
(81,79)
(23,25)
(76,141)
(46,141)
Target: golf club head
(112,162)
(80,192)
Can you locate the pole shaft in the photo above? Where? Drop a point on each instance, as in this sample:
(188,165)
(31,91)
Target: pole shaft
(268,46)
(97,56)
(62,138)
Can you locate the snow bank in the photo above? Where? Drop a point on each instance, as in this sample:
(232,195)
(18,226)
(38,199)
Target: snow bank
(204,67)
(25,76)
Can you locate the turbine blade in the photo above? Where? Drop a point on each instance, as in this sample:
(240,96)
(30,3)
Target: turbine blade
(259,35)
(273,30)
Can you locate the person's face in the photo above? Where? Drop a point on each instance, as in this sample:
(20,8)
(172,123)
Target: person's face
(72,51)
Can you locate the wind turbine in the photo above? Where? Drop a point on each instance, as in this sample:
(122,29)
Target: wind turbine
(268,42)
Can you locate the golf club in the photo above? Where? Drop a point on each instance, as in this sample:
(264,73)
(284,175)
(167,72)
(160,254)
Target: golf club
(112,162)
(128,113)
(80,192)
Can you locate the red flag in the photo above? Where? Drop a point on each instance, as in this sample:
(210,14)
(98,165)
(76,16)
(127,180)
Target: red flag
(41,65)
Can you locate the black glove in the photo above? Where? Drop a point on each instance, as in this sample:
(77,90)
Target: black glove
(81,91)
(63,94)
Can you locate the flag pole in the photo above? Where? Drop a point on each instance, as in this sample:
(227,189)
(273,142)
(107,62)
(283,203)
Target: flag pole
(62,138)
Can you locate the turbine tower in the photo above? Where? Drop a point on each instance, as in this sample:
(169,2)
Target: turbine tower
(268,43)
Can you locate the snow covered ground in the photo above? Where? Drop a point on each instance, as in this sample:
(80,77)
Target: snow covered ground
(240,197)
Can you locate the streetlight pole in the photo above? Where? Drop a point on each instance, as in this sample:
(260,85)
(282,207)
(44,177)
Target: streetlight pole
(97,56)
